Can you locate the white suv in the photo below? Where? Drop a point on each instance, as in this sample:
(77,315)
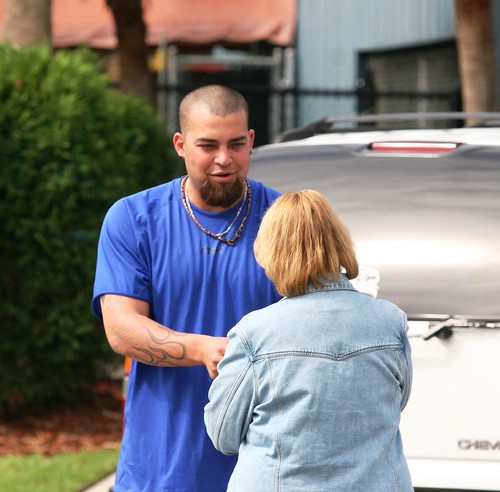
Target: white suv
(423,206)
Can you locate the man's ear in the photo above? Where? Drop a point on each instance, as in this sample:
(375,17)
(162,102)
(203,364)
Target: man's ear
(251,137)
(178,140)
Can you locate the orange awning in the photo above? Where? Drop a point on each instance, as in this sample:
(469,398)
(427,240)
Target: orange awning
(90,22)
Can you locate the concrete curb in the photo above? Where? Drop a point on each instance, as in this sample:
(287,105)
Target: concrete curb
(103,486)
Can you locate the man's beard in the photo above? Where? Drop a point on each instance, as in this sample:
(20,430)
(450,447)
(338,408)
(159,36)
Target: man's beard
(221,194)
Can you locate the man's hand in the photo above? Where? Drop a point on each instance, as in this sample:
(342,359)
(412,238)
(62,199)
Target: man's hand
(214,350)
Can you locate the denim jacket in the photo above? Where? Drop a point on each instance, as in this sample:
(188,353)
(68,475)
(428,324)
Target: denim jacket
(310,393)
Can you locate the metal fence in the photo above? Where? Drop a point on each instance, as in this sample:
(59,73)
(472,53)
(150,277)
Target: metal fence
(276,110)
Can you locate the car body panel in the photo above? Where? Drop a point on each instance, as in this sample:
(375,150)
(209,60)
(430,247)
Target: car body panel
(411,218)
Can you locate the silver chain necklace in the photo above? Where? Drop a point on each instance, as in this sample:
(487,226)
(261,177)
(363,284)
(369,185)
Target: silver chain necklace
(220,235)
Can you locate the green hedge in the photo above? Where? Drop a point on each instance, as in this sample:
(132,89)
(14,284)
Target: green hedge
(69,147)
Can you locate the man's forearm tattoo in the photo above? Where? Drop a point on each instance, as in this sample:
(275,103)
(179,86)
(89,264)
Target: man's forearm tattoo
(170,354)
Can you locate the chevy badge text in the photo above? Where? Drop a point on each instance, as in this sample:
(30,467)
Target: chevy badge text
(468,444)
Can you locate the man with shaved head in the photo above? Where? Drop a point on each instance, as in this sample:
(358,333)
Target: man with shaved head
(175,271)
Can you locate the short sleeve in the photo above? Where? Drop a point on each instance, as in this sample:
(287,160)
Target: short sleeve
(121,257)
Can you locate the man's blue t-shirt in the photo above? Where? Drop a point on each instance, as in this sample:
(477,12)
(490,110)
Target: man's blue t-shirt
(150,249)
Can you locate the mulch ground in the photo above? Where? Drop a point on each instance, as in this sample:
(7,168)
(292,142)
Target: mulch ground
(93,423)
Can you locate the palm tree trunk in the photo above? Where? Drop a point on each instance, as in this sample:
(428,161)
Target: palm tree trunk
(27,21)
(132,50)
(476,54)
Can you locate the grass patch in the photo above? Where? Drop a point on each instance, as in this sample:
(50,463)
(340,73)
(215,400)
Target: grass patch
(65,472)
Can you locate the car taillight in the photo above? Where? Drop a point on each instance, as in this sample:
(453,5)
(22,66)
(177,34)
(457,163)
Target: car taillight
(432,147)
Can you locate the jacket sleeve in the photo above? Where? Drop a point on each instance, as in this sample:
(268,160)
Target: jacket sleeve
(407,366)
(232,397)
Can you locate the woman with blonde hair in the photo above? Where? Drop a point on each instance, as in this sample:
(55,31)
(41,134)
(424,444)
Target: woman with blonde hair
(311,389)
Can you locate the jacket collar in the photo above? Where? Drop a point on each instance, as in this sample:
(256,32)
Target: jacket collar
(331,284)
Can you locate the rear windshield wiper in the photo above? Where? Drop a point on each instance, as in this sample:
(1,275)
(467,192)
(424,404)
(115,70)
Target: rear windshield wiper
(444,329)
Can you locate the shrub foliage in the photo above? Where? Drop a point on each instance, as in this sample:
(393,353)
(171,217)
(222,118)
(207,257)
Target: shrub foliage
(69,146)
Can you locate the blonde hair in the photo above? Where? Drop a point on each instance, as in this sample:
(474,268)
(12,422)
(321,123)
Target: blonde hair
(218,99)
(301,241)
